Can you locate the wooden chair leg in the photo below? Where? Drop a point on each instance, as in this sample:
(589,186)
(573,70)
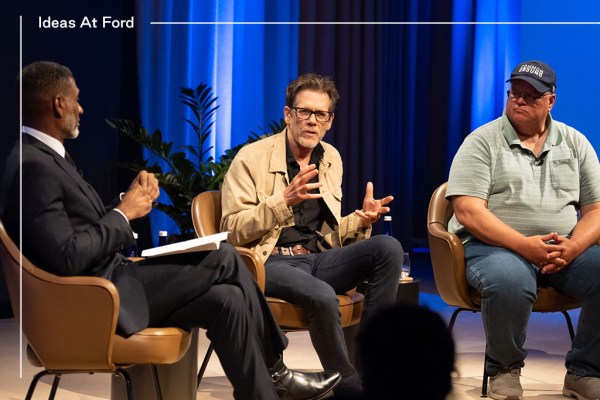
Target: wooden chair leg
(205,363)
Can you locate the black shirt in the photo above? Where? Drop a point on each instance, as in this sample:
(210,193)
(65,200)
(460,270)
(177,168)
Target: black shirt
(309,214)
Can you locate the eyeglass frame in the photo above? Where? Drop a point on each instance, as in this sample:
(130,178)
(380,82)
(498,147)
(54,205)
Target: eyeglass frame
(514,96)
(329,113)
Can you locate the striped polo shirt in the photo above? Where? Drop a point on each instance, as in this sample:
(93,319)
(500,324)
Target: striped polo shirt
(533,195)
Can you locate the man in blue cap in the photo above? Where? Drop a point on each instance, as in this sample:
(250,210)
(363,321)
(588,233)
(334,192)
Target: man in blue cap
(526,196)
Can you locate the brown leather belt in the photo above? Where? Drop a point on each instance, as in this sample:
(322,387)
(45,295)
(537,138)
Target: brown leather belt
(290,251)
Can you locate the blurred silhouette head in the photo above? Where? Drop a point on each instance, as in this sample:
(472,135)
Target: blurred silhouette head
(406,352)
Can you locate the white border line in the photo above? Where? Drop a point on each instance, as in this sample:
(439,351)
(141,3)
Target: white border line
(21,197)
(375,23)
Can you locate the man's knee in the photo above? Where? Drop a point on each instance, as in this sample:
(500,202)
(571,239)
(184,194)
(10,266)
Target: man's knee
(227,252)
(502,277)
(228,298)
(388,251)
(230,259)
(386,244)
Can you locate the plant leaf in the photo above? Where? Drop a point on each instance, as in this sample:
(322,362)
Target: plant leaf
(182,179)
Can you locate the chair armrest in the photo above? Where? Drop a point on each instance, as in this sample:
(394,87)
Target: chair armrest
(255,265)
(70,322)
(448,261)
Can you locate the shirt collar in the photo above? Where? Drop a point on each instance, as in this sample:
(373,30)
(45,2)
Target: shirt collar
(48,140)
(554,137)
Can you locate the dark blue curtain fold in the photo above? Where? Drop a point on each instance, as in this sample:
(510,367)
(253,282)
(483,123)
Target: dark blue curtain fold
(408,91)
(247,66)
(389,78)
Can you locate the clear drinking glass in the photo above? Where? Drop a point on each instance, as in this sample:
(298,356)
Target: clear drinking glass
(405,269)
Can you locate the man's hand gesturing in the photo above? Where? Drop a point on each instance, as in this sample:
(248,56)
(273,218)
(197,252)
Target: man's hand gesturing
(298,189)
(372,208)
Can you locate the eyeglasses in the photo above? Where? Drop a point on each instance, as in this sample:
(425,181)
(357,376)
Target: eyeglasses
(304,113)
(528,97)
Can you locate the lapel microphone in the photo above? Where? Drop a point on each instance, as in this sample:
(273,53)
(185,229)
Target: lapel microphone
(540,160)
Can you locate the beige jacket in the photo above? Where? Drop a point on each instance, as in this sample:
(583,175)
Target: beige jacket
(253,207)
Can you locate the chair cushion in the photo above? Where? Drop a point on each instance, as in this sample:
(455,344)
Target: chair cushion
(552,300)
(151,346)
(291,316)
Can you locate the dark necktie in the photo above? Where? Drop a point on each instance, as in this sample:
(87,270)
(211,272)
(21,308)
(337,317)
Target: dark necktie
(70,160)
(92,193)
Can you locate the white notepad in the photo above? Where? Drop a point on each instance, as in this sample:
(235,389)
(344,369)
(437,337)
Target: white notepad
(211,242)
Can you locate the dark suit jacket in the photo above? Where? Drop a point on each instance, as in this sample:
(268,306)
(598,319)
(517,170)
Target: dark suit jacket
(66,229)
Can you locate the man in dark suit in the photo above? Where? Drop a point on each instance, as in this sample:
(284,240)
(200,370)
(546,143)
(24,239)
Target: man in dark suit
(67,230)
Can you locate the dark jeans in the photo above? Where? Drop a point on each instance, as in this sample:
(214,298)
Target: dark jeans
(508,285)
(313,280)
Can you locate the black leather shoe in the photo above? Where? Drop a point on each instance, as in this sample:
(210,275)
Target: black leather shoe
(294,385)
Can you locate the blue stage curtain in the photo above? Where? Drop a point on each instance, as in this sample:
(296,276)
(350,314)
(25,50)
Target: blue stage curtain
(248,68)
(495,54)
(409,93)
(388,76)
(482,57)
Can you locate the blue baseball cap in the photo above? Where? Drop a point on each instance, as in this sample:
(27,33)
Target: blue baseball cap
(537,73)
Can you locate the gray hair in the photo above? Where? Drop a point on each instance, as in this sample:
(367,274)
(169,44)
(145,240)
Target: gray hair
(315,82)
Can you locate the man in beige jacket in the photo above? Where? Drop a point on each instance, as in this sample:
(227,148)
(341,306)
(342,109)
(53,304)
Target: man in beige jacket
(282,198)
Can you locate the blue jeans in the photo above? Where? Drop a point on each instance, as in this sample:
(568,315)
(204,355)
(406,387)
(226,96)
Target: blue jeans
(313,280)
(508,285)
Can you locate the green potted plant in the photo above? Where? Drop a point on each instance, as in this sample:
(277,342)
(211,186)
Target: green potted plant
(189,169)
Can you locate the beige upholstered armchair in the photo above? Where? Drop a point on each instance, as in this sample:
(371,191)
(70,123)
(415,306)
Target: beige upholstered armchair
(70,324)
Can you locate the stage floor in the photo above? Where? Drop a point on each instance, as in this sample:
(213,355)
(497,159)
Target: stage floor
(547,343)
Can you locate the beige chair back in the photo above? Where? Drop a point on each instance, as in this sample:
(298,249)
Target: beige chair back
(70,323)
(447,253)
